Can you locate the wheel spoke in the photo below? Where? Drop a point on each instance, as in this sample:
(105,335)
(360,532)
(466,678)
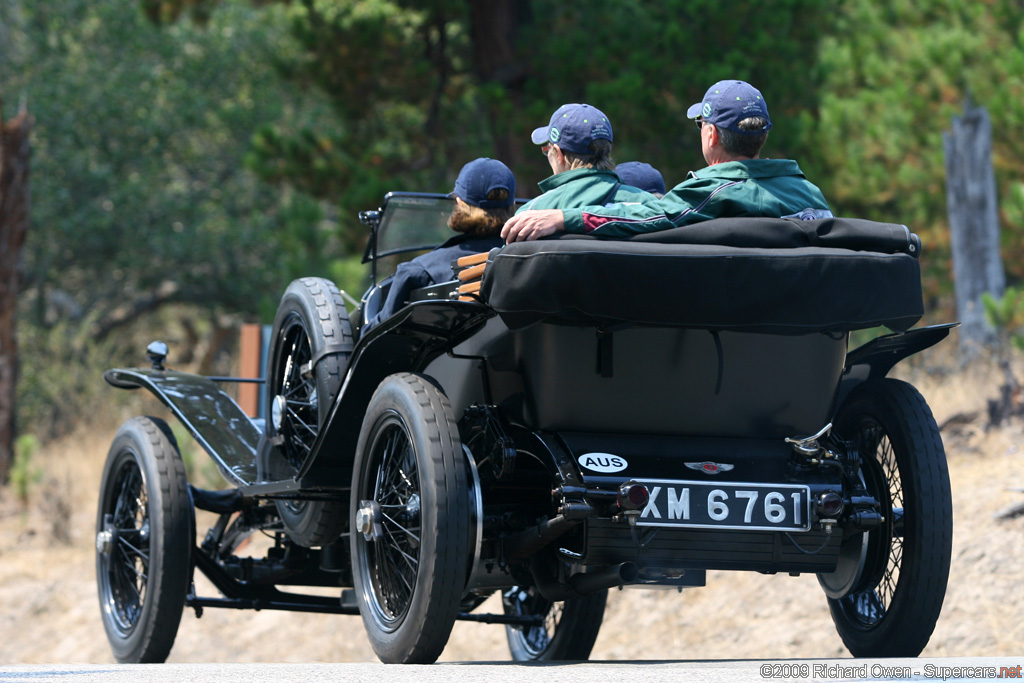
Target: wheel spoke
(131,568)
(410,560)
(898,522)
(396,569)
(297,406)
(124,512)
(407,531)
(138,552)
(394,493)
(299,449)
(291,392)
(392,586)
(299,422)
(384,470)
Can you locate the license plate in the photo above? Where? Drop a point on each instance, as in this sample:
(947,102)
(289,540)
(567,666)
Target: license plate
(778,507)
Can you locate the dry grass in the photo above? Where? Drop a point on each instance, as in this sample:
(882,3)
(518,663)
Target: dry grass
(51,615)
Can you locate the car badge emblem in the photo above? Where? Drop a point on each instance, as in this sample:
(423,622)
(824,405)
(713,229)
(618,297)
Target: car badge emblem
(708,467)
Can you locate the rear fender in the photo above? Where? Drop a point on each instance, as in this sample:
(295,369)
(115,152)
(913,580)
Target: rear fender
(875,359)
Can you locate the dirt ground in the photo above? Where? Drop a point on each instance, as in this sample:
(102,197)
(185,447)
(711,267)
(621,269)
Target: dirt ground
(50,611)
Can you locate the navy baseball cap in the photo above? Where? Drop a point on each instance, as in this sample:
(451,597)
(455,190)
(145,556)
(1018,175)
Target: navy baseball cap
(726,103)
(479,177)
(573,127)
(642,175)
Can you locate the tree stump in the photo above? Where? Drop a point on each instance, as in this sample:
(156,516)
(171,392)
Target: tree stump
(973,223)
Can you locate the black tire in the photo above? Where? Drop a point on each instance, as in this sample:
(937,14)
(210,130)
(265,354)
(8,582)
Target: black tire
(311,319)
(896,584)
(411,514)
(145,531)
(570,628)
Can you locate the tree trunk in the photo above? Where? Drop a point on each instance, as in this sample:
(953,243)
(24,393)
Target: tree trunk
(14,205)
(498,58)
(973,223)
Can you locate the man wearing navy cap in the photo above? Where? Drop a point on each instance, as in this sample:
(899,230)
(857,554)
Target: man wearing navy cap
(734,123)
(485,194)
(577,143)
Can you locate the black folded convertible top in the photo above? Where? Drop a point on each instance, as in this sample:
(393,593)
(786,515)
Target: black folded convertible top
(757,274)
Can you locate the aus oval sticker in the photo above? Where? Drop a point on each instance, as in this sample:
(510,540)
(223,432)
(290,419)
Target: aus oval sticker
(602,462)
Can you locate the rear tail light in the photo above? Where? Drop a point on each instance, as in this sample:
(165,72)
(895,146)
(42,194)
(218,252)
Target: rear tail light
(830,504)
(633,496)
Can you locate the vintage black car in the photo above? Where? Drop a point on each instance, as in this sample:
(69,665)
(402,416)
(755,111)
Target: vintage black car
(564,417)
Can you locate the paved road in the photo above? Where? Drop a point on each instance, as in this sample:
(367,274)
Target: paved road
(831,670)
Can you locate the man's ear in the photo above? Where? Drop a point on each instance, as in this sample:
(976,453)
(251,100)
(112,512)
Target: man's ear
(712,134)
(560,157)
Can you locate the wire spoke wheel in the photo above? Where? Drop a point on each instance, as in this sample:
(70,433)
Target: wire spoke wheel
(296,416)
(411,520)
(144,535)
(894,576)
(128,563)
(392,562)
(869,605)
(569,629)
(311,345)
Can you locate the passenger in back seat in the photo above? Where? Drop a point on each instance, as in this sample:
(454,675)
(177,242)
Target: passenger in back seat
(642,175)
(734,123)
(577,144)
(484,194)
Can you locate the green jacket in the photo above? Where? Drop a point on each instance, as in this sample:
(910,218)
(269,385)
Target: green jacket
(585,187)
(760,187)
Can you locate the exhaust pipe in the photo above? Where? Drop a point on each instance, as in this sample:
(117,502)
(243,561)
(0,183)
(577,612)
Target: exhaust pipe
(609,577)
(581,584)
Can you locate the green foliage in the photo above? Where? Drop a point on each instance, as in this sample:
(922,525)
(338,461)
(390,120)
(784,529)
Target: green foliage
(139,187)
(59,383)
(412,104)
(1013,207)
(25,474)
(1006,315)
(141,195)
(385,94)
(894,75)
(645,63)
(350,275)
(387,70)
(209,151)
